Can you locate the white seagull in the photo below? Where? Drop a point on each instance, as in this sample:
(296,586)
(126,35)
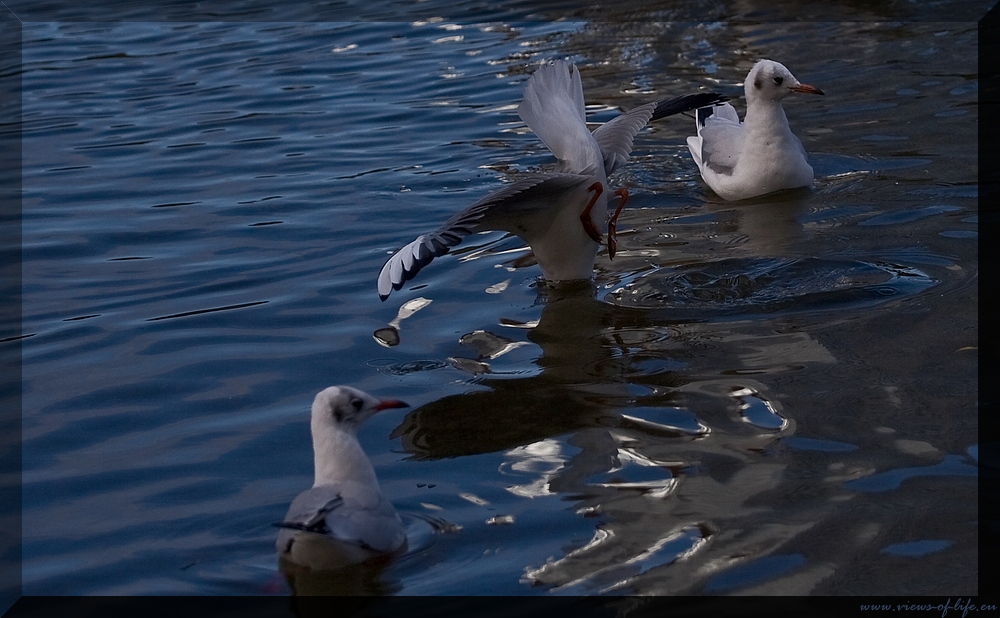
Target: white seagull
(761,154)
(344,518)
(558,214)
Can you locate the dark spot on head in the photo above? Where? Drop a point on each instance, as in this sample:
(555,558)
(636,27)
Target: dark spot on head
(338,415)
(357,404)
(778,79)
(756,83)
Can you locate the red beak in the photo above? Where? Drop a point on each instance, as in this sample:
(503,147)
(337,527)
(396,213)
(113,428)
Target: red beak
(806,89)
(391,403)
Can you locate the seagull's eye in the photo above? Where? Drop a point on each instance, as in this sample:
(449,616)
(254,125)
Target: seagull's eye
(778,79)
(357,404)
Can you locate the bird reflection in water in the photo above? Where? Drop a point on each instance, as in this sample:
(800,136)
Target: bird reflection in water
(658,429)
(367,578)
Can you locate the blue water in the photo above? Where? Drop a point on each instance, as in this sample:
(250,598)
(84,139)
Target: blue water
(753,397)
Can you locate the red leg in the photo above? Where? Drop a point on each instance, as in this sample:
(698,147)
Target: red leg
(612,241)
(588,223)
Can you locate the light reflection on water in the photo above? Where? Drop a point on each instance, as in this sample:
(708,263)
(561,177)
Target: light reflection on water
(734,405)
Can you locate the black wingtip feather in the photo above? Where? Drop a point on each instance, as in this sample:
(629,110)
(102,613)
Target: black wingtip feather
(686,103)
(703,114)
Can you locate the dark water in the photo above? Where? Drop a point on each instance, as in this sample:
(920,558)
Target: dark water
(767,397)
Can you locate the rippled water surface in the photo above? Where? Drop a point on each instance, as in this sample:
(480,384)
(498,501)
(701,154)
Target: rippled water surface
(767,397)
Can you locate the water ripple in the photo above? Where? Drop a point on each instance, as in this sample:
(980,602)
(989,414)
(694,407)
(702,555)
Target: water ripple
(740,288)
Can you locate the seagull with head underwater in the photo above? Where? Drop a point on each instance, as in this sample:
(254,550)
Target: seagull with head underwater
(344,518)
(761,154)
(560,213)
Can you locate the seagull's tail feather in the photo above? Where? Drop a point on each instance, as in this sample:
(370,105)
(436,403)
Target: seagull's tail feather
(686,103)
(694,146)
(695,142)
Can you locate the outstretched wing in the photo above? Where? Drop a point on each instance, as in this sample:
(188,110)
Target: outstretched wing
(615,136)
(686,103)
(553,107)
(407,262)
(509,209)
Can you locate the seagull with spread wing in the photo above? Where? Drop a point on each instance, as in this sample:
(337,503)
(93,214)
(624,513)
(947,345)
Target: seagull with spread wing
(558,213)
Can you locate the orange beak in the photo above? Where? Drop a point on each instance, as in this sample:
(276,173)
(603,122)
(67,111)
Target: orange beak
(806,89)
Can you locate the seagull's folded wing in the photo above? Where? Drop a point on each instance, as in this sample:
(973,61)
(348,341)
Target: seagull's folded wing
(309,509)
(721,136)
(366,518)
(349,512)
(516,208)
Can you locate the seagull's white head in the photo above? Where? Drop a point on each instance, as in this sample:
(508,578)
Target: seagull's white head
(771,81)
(345,408)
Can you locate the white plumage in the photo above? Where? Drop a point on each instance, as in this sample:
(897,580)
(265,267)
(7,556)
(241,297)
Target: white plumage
(761,154)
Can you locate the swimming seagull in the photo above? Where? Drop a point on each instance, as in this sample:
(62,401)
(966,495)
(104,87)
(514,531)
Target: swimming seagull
(558,213)
(761,154)
(344,518)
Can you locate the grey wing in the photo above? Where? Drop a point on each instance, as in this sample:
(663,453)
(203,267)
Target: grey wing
(500,210)
(615,136)
(366,518)
(350,512)
(309,509)
(407,262)
(721,136)
(686,103)
(307,513)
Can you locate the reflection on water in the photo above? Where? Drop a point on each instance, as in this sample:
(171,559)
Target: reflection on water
(626,428)
(767,285)
(365,579)
(771,397)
